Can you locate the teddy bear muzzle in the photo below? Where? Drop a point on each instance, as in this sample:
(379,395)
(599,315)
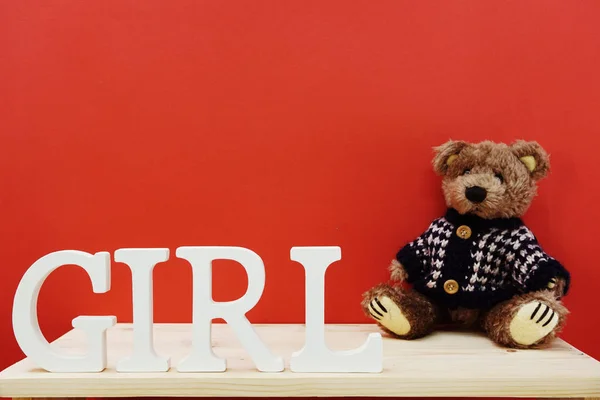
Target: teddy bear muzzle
(476,194)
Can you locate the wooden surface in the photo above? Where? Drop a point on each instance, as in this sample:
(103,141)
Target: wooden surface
(445,364)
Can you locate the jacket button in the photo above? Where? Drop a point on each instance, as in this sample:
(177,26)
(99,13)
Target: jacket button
(451,286)
(463,232)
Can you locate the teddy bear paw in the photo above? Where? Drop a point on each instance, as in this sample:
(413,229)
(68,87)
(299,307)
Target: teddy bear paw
(389,315)
(533,322)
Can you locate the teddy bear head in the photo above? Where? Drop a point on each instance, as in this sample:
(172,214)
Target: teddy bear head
(490,180)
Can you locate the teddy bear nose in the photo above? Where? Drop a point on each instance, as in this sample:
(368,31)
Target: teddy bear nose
(476,194)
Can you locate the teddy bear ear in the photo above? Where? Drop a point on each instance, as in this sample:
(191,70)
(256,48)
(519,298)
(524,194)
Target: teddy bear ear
(446,154)
(533,157)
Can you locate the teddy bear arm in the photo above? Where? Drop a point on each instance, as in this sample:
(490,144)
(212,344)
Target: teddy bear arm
(532,269)
(558,286)
(549,275)
(412,261)
(408,265)
(397,271)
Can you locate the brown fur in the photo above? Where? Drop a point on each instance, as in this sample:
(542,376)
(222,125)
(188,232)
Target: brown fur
(558,290)
(420,312)
(497,321)
(397,272)
(463,317)
(510,198)
(505,198)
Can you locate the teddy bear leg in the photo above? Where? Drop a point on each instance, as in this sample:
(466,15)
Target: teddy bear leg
(404,314)
(526,321)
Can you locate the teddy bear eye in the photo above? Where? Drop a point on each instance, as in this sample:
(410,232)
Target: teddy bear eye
(466,171)
(499,177)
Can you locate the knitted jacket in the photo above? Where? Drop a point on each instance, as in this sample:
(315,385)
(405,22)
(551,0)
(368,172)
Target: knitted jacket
(471,262)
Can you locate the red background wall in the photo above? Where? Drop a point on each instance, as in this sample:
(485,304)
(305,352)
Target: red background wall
(270,124)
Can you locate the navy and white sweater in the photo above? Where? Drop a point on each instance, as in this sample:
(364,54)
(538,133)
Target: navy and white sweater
(501,258)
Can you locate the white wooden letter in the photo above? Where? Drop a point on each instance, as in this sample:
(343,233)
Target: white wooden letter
(25,322)
(315,356)
(202,358)
(142,262)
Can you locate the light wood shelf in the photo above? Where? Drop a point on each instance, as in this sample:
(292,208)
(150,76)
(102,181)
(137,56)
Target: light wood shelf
(445,364)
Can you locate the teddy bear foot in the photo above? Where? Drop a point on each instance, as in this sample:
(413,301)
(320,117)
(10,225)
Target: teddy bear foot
(526,321)
(532,323)
(401,313)
(389,315)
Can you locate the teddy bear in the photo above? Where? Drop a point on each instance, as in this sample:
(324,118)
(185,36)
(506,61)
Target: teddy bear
(478,266)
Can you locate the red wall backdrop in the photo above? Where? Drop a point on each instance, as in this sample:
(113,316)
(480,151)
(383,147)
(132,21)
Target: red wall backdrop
(270,124)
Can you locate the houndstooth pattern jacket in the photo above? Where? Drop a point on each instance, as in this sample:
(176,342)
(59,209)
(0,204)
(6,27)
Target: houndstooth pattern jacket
(471,262)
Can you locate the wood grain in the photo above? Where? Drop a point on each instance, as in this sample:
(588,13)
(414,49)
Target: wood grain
(445,364)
